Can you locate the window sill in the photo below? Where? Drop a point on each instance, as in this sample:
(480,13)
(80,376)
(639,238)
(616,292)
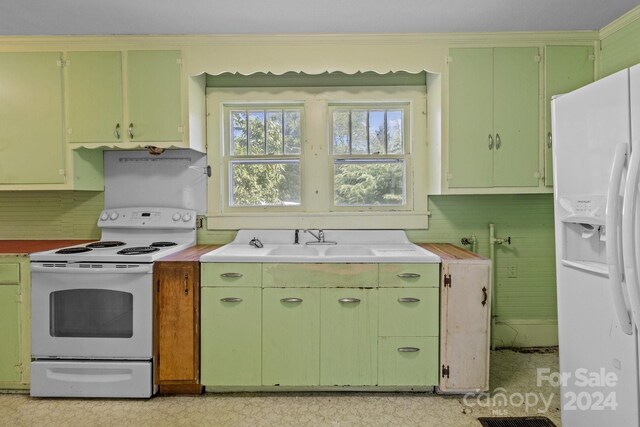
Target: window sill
(336,220)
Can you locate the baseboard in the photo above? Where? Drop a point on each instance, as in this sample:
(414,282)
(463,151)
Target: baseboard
(525,333)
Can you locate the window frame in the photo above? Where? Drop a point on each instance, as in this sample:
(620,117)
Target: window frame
(317,209)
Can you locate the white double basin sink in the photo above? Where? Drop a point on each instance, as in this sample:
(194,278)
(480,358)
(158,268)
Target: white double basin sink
(339,246)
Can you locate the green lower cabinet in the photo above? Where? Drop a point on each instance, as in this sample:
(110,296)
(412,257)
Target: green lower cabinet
(291,336)
(409,312)
(348,336)
(231,336)
(10,325)
(408,361)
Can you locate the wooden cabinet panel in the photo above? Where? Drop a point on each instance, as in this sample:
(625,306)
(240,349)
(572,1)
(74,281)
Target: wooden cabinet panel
(410,312)
(291,336)
(154,88)
(31,113)
(348,337)
(95,97)
(10,350)
(566,68)
(231,336)
(177,302)
(408,361)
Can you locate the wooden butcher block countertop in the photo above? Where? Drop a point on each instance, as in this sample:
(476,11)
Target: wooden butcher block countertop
(31,246)
(190,254)
(448,251)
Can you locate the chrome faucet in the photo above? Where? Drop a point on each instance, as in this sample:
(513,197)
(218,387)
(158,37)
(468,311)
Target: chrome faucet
(256,243)
(320,238)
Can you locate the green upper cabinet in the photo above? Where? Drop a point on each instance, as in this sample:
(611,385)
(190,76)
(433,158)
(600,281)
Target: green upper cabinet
(566,68)
(121,98)
(31,118)
(154,95)
(494,117)
(95,97)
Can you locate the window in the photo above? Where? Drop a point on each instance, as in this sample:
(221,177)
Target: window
(264,147)
(369,156)
(317,157)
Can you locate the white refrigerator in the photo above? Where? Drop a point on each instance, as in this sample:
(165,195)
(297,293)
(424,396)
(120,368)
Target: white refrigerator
(596,153)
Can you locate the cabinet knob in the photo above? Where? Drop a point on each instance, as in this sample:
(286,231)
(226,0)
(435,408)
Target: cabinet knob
(490,142)
(231,299)
(408,299)
(408,349)
(498,141)
(291,300)
(349,300)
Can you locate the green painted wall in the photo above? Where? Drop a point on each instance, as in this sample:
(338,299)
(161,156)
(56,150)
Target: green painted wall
(620,49)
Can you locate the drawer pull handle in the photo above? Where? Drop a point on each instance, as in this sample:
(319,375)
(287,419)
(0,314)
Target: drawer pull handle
(231,299)
(408,299)
(349,300)
(291,300)
(408,349)
(231,275)
(408,275)
(130,130)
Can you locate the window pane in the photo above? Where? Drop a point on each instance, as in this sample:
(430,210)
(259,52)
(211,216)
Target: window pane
(395,128)
(256,132)
(274,132)
(268,183)
(341,132)
(239,125)
(359,132)
(292,134)
(369,183)
(377,132)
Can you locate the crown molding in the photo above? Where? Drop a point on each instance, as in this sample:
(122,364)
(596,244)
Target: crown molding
(626,19)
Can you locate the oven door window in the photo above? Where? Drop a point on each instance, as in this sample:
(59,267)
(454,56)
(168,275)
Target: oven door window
(91,313)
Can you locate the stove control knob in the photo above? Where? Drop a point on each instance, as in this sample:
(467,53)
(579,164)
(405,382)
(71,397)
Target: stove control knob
(114,216)
(104,216)
(176,217)
(186,217)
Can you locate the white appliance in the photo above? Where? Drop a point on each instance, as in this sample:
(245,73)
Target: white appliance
(92,305)
(596,151)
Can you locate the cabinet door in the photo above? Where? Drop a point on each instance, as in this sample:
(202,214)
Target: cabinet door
(290,336)
(10,322)
(516,117)
(566,68)
(348,341)
(464,335)
(95,97)
(31,135)
(176,322)
(231,336)
(154,95)
(470,118)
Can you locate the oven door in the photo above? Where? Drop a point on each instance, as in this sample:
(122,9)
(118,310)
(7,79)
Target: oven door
(96,311)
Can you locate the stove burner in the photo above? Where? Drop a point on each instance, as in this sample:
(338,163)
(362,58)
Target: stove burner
(76,250)
(105,244)
(162,244)
(138,250)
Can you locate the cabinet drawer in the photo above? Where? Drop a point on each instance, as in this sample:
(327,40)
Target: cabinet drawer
(320,275)
(408,361)
(231,336)
(231,274)
(408,312)
(9,274)
(409,275)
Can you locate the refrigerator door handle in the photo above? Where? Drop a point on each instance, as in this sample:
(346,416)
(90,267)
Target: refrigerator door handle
(629,234)
(612,224)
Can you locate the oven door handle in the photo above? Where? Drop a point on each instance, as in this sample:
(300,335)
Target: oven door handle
(108,269)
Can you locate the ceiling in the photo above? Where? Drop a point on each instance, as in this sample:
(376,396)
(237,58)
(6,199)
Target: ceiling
(105,17)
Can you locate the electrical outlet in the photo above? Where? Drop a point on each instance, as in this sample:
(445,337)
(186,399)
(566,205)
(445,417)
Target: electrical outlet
(512,270)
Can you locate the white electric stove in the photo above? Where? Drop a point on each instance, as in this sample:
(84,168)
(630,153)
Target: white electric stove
(92,305)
